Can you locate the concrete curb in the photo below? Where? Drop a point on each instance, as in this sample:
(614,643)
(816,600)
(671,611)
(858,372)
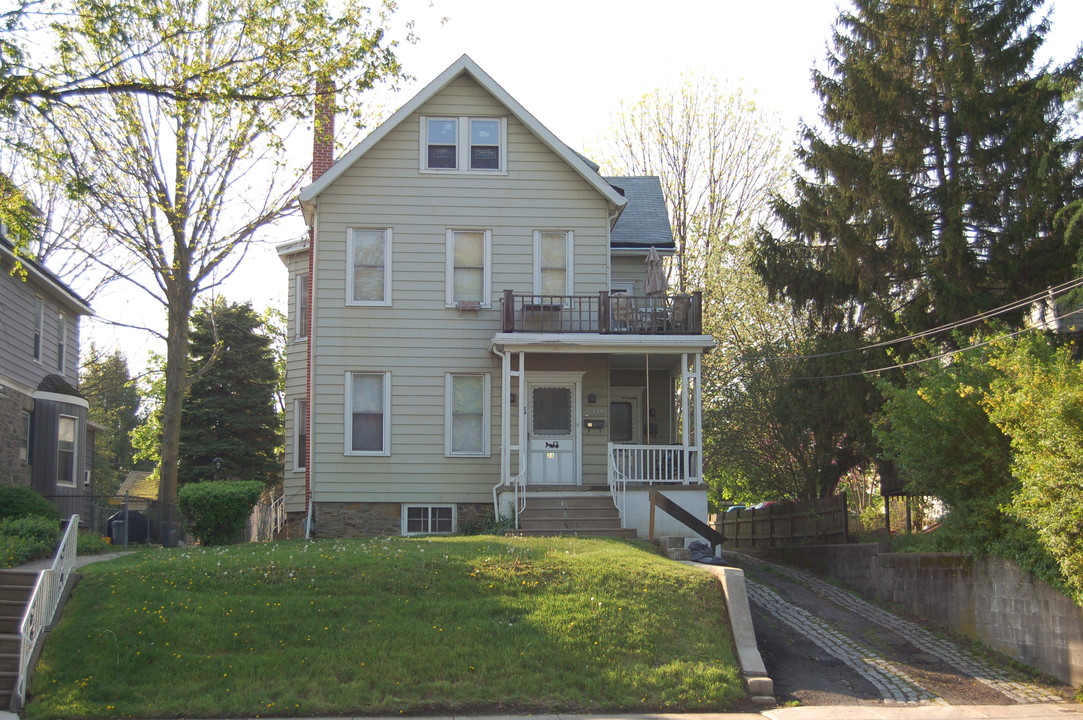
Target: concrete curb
(760,687)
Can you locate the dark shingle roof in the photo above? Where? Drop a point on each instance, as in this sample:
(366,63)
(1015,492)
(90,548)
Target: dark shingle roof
(644,222)
(58,385)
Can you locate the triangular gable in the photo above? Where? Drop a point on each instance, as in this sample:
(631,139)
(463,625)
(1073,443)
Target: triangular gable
(463,65)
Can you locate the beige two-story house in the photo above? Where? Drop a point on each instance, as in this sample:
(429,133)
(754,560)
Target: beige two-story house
(474,334)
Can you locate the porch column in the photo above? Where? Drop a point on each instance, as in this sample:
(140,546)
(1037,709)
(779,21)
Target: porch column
(685,418)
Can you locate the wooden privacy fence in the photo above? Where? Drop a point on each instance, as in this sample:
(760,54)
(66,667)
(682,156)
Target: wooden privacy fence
(813,522)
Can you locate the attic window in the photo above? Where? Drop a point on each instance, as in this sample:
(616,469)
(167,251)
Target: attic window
(463,144)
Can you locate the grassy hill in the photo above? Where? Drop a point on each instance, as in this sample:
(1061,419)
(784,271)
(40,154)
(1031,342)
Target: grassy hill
(389,626)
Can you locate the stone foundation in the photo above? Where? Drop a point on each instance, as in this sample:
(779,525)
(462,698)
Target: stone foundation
(336,520)
(13,469)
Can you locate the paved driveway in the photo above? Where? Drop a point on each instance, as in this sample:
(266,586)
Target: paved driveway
(826,646)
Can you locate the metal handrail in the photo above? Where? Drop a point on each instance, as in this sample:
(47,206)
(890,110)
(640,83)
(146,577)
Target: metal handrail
(43,604)
(618,484)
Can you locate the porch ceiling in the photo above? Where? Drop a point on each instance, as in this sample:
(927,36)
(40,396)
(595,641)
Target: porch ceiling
(601,344)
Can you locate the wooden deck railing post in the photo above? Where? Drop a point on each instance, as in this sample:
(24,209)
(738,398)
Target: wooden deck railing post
(507,309)
(603,311)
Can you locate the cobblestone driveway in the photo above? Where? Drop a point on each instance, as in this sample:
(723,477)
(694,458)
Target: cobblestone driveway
(824,645)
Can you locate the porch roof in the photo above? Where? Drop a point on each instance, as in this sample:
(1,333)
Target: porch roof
(542,342)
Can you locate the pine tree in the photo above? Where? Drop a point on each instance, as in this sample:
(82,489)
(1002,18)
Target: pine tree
(229,413)
(114,404)
(931,192)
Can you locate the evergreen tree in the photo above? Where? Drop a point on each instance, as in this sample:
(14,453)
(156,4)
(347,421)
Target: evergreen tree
(930,195)
(114,404)
(229,413)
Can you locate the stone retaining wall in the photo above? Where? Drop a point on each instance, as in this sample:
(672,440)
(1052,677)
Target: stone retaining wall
(988,599)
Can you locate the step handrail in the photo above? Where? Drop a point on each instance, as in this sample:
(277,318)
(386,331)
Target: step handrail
(43,604)
(689,520)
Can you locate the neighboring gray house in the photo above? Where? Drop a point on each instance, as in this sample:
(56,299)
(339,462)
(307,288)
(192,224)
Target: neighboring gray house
(471,331)
(45,439)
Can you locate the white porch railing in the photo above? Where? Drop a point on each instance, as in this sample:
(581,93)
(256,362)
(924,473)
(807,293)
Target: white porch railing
(43,604)
(662,464)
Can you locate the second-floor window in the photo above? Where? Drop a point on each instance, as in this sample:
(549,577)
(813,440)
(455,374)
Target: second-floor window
(369,258)
(61,342)
(553,262)
(468,267)
(39,327)
(463,144)
(301,306)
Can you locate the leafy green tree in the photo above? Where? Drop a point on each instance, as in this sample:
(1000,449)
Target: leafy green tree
(183,180)
(229,413)
(114,404)
(946,152)
(1038,402)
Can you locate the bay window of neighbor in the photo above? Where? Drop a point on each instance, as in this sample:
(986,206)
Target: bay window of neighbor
(369,420)
(467,403)
(468,267)
(65,450)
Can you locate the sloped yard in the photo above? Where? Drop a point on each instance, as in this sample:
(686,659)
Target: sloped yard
(451,625)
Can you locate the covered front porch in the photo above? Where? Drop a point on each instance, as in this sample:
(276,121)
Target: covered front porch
(589,416)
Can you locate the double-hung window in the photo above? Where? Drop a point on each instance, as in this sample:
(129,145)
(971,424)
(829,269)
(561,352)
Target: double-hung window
(368,413)
(300,306)
(466,419)
(39,327)
(300,434)
(65,450)
(24,439)
(468,267)
(61,342)
(553,262)
(369,267)
(463,144)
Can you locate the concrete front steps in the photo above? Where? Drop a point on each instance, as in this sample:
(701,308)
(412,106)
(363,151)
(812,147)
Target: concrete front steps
(15,589)
(585,513)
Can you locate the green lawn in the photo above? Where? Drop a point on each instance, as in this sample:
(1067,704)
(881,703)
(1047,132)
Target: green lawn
(388,626)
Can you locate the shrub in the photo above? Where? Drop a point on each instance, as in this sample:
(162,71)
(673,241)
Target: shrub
(91,543)
(16,502)
(27,538)
(215,512)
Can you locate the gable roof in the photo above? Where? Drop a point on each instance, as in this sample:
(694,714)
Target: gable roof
(464,65)
(645,221)
(43,277)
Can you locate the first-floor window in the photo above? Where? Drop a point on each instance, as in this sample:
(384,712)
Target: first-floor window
(419,519)
(300,444)
(467,414)
(65,450)
(24,440)
(368,413)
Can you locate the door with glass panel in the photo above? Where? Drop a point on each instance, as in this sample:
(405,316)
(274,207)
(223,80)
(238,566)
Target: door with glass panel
(553,433)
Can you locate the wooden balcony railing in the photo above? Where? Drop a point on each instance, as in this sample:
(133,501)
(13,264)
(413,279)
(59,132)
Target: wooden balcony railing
(618,314)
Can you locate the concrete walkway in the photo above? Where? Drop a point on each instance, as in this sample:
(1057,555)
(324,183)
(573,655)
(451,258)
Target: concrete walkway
(80,561)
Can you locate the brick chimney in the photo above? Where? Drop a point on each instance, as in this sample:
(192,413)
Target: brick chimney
(323,129)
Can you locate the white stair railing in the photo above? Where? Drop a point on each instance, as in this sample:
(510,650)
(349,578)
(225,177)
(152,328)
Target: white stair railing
(43,603)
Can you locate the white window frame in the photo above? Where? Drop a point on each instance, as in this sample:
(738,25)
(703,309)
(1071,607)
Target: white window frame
(61,342)
(300,305)
(24,439)
(300,418)
(462,145)
(386,300)
(70,482)
(486,271)
(348,419)
(569,248)
(486,414)
(39,329)
(413,506)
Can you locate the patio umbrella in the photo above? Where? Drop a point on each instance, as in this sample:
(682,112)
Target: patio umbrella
(655,282)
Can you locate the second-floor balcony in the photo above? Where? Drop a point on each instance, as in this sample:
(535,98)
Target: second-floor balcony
(616,313)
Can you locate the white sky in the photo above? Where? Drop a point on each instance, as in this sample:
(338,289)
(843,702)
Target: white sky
(571,63)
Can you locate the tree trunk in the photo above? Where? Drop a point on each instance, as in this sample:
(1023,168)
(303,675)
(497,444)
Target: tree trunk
(179,310)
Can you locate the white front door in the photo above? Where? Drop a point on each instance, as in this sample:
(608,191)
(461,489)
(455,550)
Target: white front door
(553,432)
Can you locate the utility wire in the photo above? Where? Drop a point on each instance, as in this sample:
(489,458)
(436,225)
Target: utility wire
(1003,309)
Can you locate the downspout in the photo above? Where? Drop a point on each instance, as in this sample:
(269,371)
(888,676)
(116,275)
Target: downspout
(505,426)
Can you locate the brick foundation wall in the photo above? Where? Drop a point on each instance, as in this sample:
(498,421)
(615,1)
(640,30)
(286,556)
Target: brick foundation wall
(988,599)
(13,470)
